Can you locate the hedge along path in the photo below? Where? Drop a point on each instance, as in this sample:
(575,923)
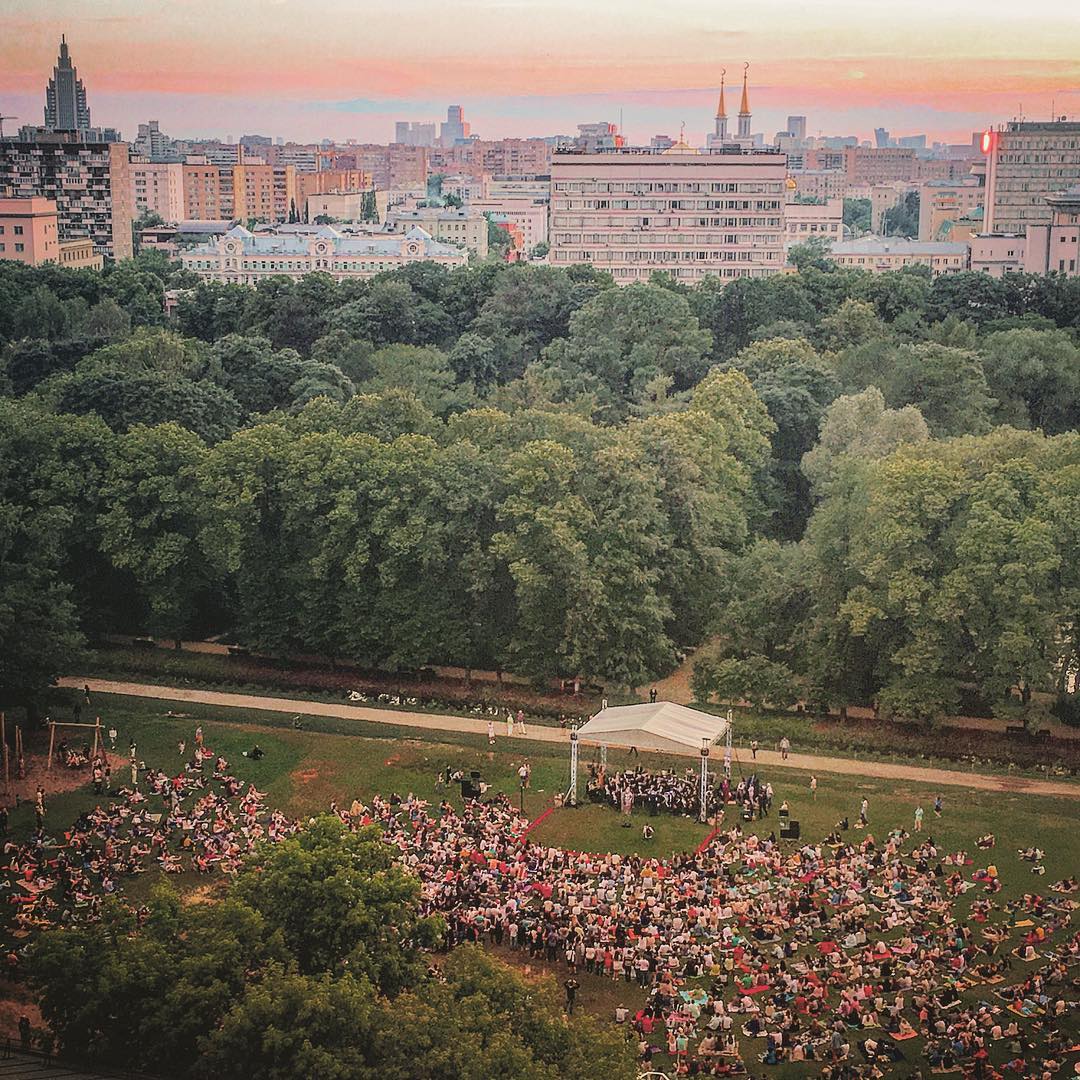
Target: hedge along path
(436,722)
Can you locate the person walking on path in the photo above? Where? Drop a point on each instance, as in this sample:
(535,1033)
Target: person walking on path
(753,748)
(509,723)
(521,721)
(785,748)
(491,733)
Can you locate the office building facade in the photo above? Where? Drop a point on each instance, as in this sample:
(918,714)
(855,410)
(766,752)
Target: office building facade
(1025,162)
(691,213)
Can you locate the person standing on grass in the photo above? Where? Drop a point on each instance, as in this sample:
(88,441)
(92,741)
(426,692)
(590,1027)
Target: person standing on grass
(918,818)
(571,986)
(813,787)
(785,748)
(938,806)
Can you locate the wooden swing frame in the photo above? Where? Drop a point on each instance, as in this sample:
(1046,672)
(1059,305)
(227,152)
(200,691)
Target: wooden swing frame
(99,743)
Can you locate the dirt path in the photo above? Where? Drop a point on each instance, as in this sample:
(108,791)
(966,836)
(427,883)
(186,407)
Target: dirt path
(435,722)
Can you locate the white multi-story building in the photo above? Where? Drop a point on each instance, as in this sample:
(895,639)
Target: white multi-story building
(693,213)
(240,257)
(808,221)
(1025,162)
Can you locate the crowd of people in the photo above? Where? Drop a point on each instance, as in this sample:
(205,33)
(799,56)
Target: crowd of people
(672,792)
(751,952)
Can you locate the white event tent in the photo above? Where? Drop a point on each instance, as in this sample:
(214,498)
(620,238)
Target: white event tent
(662,725)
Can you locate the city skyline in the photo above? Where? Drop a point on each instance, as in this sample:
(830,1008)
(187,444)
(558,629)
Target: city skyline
(344,73)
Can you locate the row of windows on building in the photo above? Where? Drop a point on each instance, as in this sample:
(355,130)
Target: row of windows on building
(660,257)
(647,239)
(296,266)
(668,187)
(690,273)
(666,205)
(568,221)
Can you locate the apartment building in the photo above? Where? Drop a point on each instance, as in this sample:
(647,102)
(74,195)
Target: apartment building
(689,212)
(90,183)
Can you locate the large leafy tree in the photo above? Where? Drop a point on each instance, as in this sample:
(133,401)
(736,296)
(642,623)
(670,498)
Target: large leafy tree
(150,523)
(623,338)
(340,900)
(796,386)
(1035,377)
(51,470)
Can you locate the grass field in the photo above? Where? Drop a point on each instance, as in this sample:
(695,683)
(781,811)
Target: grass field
(304,770)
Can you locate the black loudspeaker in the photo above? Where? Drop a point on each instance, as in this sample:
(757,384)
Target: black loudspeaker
(790,831)
(470,789)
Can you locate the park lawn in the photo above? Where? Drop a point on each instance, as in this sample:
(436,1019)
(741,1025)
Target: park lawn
(337,760)
(302,771)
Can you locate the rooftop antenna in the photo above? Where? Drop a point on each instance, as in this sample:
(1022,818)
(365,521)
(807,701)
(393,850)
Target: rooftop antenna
(2,119)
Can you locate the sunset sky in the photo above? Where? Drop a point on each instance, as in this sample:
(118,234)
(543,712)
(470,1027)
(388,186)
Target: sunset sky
(306,69)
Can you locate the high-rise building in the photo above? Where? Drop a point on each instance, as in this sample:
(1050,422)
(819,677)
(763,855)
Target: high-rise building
(158,187)
(90,182)
(153,144)
(454,128)
(865,165)
(689,212)
(1025,162)
(881,138)
(65,96)
(251,190)
(414,133)
(796,127)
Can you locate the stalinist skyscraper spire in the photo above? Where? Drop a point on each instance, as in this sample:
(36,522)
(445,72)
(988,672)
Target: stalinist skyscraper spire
(721,111)
(65,96)
(744,107)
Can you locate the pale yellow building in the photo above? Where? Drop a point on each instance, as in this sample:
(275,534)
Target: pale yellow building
(466,227)
(877,255)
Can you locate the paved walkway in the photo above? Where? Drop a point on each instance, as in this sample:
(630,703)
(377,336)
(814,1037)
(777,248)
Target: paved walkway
(435,722)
